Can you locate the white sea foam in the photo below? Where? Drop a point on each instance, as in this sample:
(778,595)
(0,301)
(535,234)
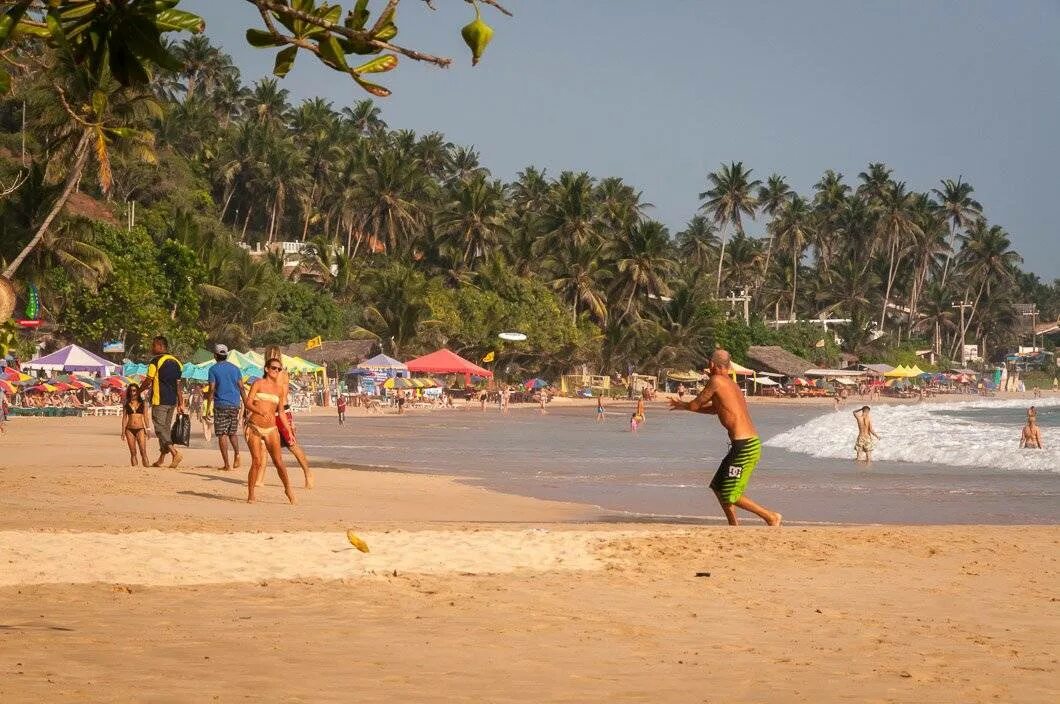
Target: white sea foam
(921,434)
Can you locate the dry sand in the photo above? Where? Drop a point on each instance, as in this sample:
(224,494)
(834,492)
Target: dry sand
(132,585)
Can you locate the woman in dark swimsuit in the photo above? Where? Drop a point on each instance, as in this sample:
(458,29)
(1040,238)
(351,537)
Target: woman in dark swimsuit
(134,424)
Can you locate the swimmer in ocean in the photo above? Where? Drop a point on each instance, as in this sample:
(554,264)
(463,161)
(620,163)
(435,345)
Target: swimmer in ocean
(1032,435)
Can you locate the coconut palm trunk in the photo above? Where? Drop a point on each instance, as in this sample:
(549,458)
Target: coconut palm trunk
(72,179)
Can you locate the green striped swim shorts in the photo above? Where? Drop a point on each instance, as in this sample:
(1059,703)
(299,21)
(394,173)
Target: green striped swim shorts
(735,470)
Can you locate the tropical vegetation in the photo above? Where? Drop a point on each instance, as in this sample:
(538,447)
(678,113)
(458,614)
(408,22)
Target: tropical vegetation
(213,210)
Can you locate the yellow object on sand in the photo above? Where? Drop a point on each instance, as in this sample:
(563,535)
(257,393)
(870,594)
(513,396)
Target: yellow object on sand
(356,542)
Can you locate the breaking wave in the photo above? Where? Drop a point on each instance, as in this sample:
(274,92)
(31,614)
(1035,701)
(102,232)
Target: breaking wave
(981,434)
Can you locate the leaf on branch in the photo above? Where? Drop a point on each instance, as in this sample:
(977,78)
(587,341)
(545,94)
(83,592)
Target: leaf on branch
(261,39)
(179,21)
(332,54)
(373,88)
(11,18)
(381,64)
(284,61)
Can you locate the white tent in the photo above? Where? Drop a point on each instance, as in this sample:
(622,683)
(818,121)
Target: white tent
(72,359)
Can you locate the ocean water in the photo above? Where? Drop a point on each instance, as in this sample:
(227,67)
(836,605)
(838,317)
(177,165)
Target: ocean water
(936,463)
(983,435)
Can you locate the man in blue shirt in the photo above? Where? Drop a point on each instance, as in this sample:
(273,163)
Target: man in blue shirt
(226,393)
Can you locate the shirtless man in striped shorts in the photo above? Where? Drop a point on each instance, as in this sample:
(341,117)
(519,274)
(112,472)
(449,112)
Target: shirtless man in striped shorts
(723,398)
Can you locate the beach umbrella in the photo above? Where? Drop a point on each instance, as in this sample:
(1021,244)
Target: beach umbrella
(7,387)
(42,388)
(114,382)
(129,368)
(535,384)
(197,372)
(398,382)
(740,369)
(11,374)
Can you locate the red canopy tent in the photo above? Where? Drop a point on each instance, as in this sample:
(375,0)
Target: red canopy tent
(447,362)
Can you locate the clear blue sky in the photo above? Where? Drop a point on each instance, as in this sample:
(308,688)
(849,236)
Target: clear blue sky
(662,92)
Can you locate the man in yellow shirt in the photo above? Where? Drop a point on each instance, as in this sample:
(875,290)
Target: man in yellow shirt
(166,396)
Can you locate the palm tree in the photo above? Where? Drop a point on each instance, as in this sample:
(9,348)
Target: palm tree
(579,278)
(729,198)
(744,260)
(82,117)
(987,260)
(475,217)
(849,287)
(204,66)
(793,230)
(875,181)
(829,201)
(895,225)
(620,205)
(643,263)
(391,199)
(570,215)
(464,162)
(772,197)
(698,242)
(267,102)
(364,118)
(956,206)
(937,315)
(399,294)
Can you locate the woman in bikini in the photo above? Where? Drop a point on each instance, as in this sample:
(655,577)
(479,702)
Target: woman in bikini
(262,428)
(134,424)
(287,436)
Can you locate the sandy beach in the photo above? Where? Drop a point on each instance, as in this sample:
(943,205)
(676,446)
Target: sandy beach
(121,584)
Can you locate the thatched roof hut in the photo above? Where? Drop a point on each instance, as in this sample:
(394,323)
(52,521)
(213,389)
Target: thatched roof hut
(769,358)
(334,353)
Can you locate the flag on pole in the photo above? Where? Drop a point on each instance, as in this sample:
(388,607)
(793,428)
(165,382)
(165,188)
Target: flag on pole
(489,357)
(315,342)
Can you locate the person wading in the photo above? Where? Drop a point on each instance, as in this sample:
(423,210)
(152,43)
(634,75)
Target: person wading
(723,398)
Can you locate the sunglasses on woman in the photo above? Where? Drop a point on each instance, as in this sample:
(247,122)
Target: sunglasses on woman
(274,369)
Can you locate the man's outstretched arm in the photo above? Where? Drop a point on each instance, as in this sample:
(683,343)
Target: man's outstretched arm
(703,403)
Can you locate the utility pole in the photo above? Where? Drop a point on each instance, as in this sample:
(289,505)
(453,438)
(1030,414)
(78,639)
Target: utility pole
(734,298)
(962,305)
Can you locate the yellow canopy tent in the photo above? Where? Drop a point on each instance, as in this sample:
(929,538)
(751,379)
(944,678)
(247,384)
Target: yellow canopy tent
(899,372)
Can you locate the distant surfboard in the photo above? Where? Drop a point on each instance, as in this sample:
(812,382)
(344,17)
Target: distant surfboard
(512,336)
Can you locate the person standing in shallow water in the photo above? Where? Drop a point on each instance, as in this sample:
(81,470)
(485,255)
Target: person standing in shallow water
(867,436)
(1031,437)
(723,398)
